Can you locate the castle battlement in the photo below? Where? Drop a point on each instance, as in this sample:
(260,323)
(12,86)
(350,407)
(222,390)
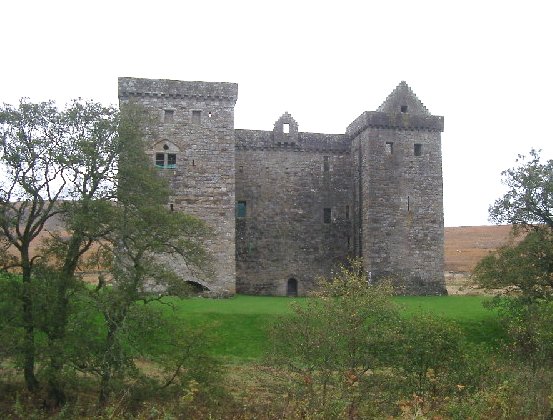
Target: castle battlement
(133,87)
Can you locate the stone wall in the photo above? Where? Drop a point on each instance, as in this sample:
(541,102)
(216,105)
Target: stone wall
(195,127)
(286,181)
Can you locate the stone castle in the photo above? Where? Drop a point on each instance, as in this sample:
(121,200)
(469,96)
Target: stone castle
(289,206)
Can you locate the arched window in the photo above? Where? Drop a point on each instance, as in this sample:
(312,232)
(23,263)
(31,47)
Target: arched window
(165,155)
(292,287)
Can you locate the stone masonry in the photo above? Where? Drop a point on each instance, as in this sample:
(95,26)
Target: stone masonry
(288,206)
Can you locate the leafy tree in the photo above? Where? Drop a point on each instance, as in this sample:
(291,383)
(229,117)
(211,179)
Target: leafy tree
(60,165)
(526,263)
(528,206)
(84,168)
(146,243)
(529,199)
(33,184)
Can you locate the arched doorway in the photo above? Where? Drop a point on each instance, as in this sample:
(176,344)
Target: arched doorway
(292,287)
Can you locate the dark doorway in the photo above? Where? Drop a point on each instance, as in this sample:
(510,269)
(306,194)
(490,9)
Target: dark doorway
(292,289)
(196,288)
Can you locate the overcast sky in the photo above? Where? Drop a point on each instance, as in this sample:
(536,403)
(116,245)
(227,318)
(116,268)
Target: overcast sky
(486,66)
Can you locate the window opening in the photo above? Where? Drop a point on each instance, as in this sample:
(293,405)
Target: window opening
(171,206)
(165,147)
(292,287)
(171,161)
(408,204)
(166,160)
(286,128)
(418,149)
(209,114)
(168,115)
(241,209)
(193,162)
(326,164)
(347,212)
(389,148)
(327,215)
(160,160)
(196,116)
(404,108)
(240,169)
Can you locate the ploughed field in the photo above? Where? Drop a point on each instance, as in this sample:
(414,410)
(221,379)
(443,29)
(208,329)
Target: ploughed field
(466,245)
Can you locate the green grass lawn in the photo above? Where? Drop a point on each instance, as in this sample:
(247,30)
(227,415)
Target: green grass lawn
(239,324)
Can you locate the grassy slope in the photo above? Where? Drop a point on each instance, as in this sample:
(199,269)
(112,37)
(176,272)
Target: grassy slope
(239,325)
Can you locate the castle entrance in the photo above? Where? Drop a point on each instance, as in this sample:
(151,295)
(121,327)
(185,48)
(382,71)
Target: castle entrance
(292,288)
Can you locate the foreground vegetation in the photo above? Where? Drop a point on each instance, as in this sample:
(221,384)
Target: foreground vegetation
(350,352)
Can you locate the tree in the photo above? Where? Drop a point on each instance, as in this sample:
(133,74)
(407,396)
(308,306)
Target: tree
(84,169)
(143,232)
(60,165)
(34,183)
(526,263)
(529,201)
(528,205)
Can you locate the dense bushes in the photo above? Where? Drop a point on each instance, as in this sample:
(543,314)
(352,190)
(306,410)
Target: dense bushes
(350,354)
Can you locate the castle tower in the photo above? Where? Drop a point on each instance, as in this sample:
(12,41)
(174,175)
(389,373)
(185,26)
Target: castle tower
(194,148)
(398,193)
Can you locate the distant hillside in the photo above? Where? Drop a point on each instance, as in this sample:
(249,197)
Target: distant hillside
(466,245)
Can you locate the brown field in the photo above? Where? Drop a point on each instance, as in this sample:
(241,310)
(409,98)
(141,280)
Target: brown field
(466,245)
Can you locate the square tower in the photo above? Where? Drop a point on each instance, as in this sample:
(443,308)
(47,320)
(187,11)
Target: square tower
(194,147)
(398,193)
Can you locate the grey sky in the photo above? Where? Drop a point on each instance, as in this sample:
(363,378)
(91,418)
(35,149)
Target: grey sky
(484,65)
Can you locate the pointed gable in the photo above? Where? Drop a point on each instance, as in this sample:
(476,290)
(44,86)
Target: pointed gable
(403,100)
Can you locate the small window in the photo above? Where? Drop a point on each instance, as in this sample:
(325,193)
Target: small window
(389,148)
(168,115)
(327,215)
(160,160)
(166,160)
(196,117)
(286,128)
(171,161)
(404,108)
(326,164)
(347,212)
(241,209)
(418,149)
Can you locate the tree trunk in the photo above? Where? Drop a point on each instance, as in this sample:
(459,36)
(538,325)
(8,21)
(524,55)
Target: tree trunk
(57,331)
(28,324)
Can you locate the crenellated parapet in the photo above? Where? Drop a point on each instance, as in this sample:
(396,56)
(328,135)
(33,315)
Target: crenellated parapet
(135,87)
(301,142)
